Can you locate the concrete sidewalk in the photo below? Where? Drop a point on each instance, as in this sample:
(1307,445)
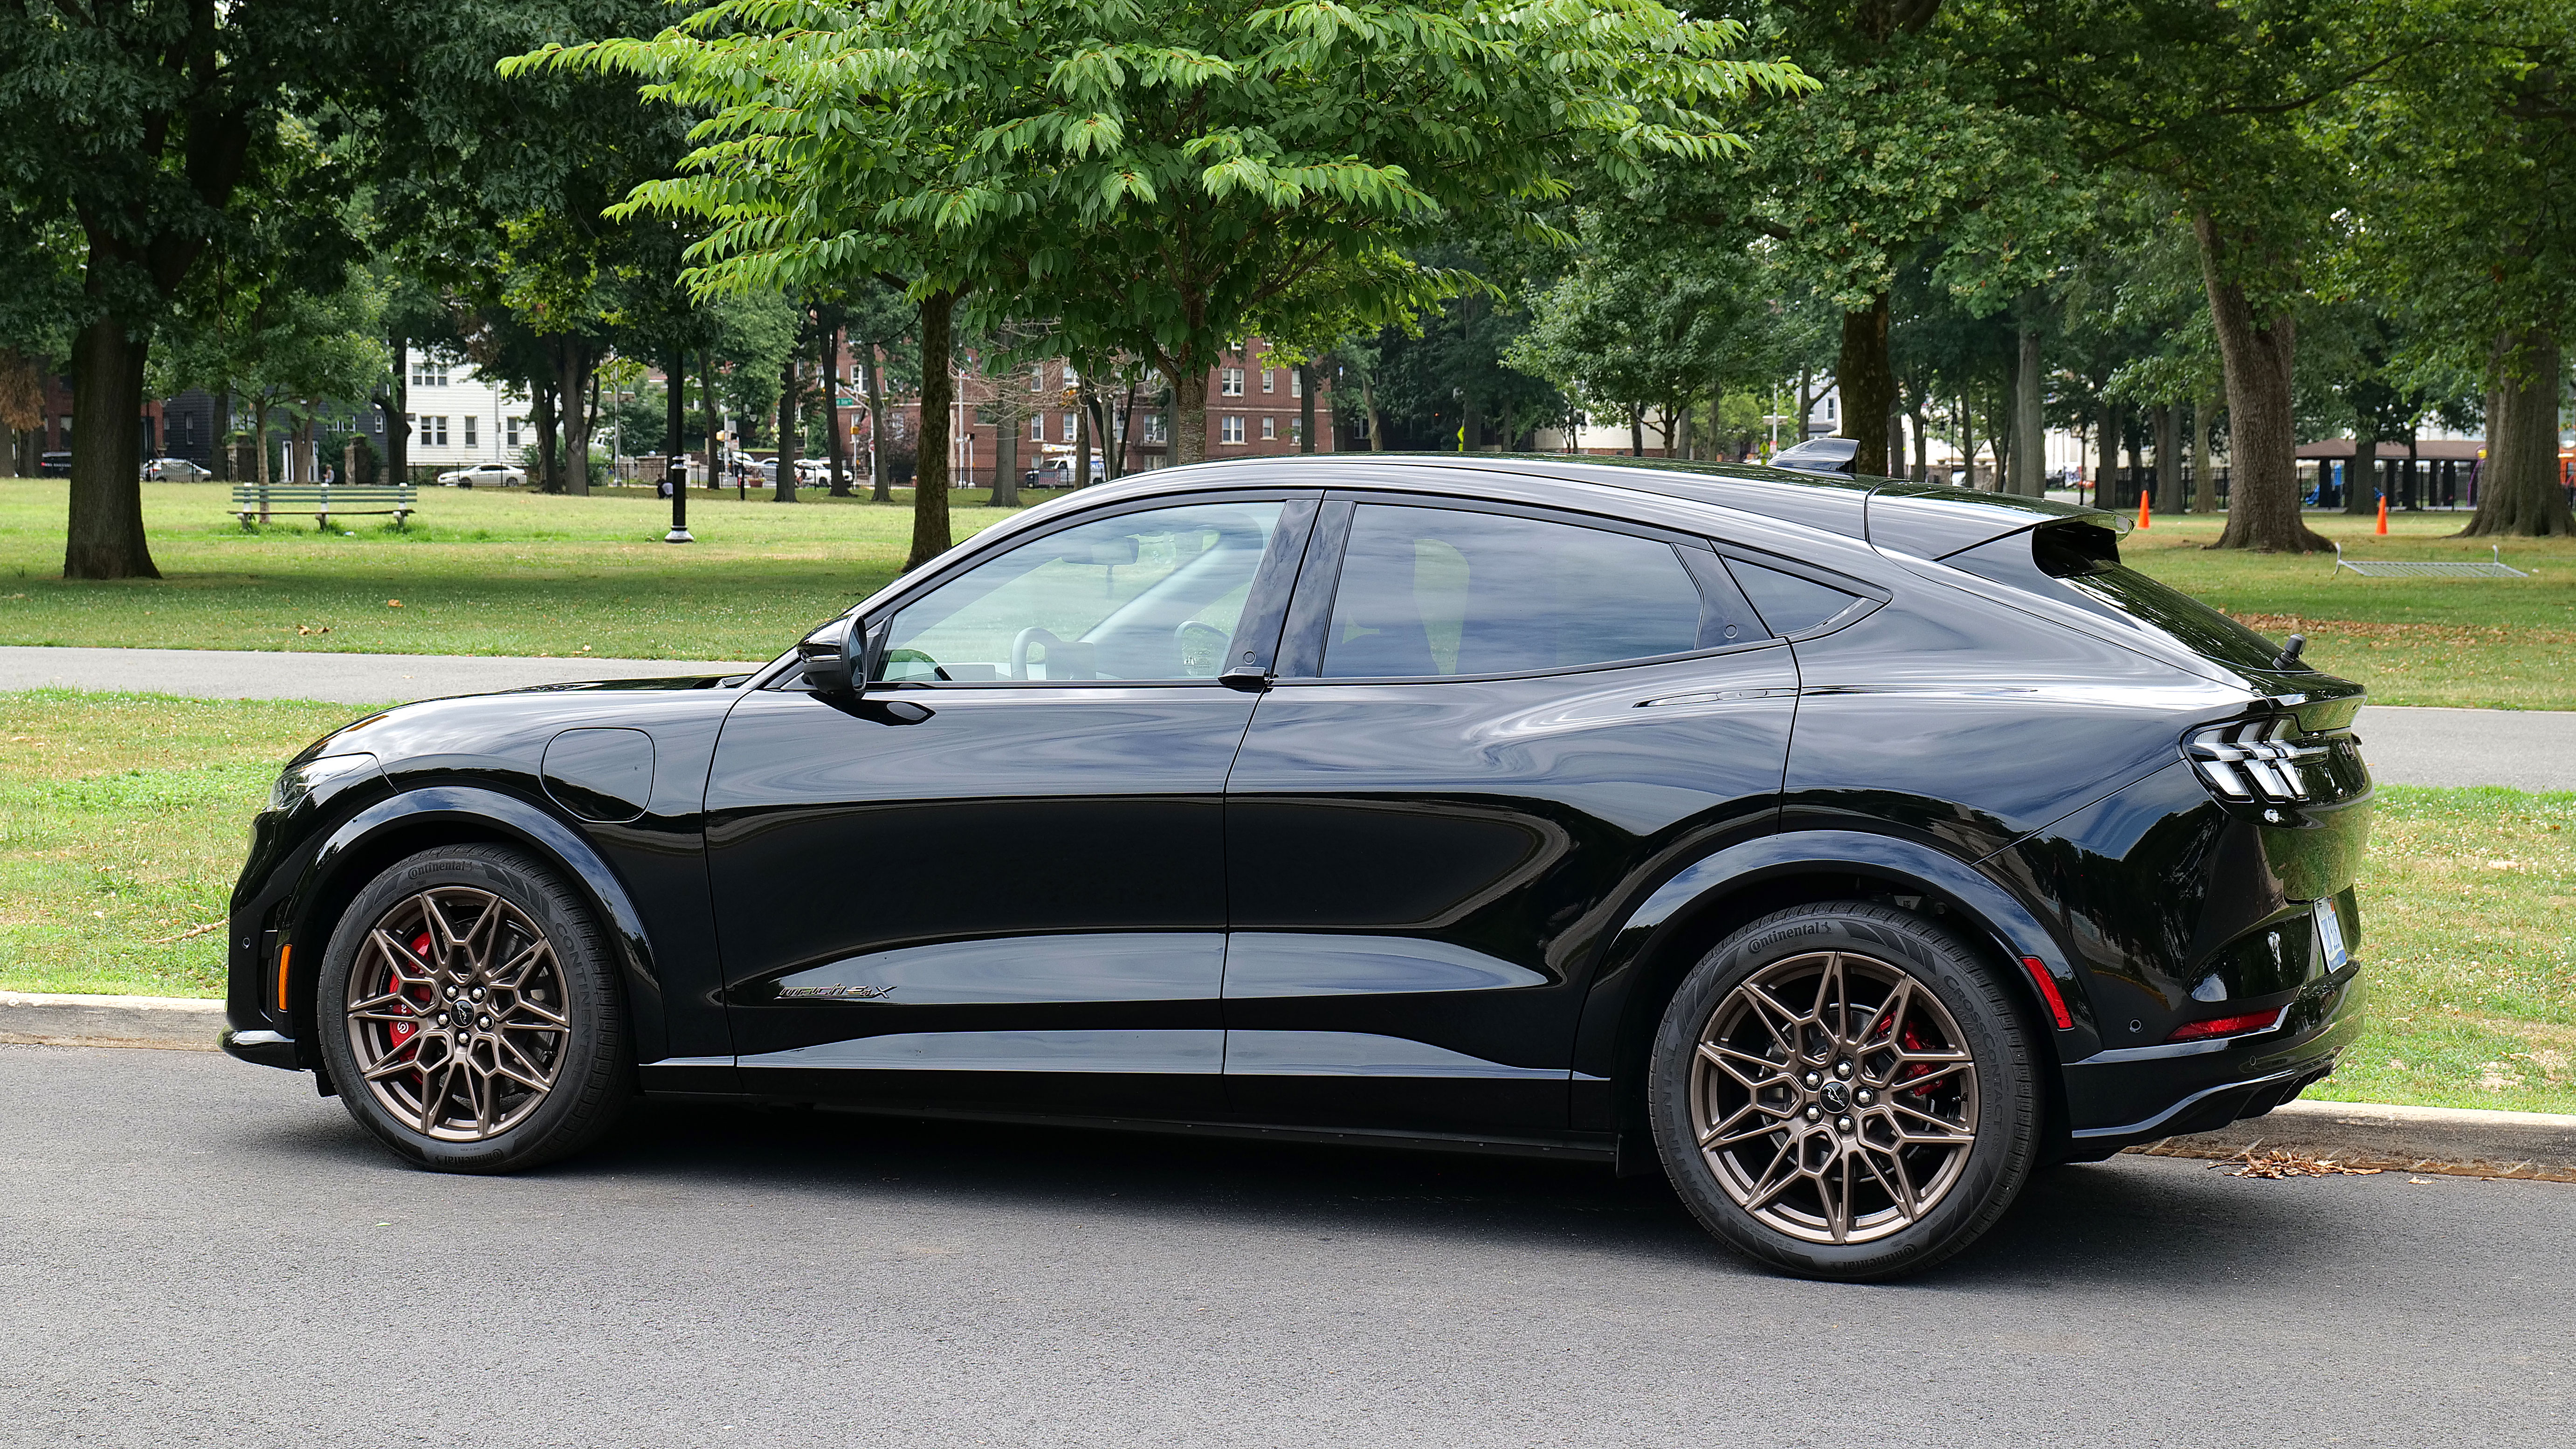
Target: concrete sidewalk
(2525,749)
(340,678)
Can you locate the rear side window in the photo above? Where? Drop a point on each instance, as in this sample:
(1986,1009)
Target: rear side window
(1789,604)
(1434,592)
(2079,564)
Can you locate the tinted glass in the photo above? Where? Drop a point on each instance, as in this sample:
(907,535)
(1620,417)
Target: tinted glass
(1786,602)
(2080,568)
(1139,596)
(1433,591)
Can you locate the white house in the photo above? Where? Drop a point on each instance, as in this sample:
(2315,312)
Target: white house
(458,418)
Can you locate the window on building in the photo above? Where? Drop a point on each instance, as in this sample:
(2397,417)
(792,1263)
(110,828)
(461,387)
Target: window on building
(1037,378)
(1230,382)
(510,431)
(436,433)
(1152,423)
(1296,430)
(1230,429)
(1266,379)
(1269,428)
(425,373)
(469,430)
(1037,427)
(1829,410)
(1069,426)
(1296,382)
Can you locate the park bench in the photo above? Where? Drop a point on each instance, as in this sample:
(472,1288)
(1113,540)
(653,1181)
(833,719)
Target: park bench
(2431,568)
(322,500)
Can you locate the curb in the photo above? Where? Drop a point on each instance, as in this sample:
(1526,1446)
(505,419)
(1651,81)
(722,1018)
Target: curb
(2452,1140)
(2539,1146)
(170,1022)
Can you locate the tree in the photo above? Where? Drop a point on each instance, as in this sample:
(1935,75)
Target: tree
(155,127)
(1193,161)
(276,346)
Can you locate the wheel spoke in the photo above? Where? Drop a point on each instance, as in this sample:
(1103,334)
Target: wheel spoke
(1721,1134)
(1723,1057)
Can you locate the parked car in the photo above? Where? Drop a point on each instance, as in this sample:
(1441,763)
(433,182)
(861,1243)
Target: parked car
(54,465)
(1819,455)
(175,470)
(496,475)
(1844,849)
(810,472)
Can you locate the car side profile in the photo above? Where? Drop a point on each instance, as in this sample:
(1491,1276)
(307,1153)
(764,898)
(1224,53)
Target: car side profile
(174,470)
(1844,849)
(488,475)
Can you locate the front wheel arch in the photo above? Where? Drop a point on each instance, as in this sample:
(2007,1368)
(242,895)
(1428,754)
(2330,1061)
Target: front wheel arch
(412,821)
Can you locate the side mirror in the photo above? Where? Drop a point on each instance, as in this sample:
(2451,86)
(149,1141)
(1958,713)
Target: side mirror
(835,657)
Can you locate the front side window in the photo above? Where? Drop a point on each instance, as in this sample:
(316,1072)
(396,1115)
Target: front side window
(1431,592)
(1138,596)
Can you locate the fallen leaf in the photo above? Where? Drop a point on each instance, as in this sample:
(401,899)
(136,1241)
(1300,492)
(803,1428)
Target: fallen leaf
(393,603)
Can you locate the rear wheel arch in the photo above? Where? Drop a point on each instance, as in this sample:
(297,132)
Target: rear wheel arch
(1666,949)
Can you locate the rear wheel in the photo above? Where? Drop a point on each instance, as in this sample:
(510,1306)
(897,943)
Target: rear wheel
(468,1012)
(1845,1091)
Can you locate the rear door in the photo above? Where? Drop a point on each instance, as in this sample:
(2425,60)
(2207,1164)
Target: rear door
(1492,724)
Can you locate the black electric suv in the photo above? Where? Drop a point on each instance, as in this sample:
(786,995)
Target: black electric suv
(1844,849)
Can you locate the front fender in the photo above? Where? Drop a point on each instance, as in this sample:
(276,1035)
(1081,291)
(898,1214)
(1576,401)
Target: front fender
(1982,905)
(364,837)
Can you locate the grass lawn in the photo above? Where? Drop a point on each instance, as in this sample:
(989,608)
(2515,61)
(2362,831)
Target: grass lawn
(2490,643)
(123,820)
(479,571)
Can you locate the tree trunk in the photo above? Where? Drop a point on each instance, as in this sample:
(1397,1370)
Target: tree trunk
(1006,456)
(2204,472)
(872,384)
(790,442)
(1189,441)
(2519,492)
(2169,495)
(104,539)
(2361,475)
(1305,407)
(2106,428)
(1922,469)
(541,412)
(2258,355)
(1637,431)
(1368,408)
(1868,387)
(397,414)
(2030,425)
(714,417)
(2004,446)
(1117,455)
(1082,433)
(259,444)
(930,536)
(836,438)
(572,370)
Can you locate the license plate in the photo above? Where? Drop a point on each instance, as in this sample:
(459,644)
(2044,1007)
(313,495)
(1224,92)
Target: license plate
(2330,935)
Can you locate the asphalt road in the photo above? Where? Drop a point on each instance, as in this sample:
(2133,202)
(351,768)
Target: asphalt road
(197,1251)
(2525,749)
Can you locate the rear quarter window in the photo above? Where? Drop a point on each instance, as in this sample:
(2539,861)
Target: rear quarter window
(2080,564)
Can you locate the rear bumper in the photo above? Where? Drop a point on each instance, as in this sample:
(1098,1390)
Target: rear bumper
(2120,1098)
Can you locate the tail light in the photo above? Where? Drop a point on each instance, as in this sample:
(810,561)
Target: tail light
(2229,1025)
(2256,760)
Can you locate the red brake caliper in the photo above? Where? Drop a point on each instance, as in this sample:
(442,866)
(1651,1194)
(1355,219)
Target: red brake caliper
(401,1033)
(1914,1043)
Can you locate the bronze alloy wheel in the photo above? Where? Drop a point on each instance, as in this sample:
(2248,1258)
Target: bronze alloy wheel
(1834,1097)
(458,1018)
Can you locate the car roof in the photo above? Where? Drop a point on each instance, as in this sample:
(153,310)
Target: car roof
(1923,519)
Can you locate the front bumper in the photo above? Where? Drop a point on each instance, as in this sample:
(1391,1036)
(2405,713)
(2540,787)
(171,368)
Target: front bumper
(2123,1097)
(261,1046)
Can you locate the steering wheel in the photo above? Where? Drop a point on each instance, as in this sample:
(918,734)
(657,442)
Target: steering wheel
(1020,648)
(1181,637)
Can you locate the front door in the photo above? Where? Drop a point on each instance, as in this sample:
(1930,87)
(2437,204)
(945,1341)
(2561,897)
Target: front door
(995,877)
(1491,724)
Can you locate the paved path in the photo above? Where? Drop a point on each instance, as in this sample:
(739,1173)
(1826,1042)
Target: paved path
(2526,749)
(346,678)
(194,1251)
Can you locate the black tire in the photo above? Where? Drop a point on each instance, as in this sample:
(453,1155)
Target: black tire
(431,1099)
(1735,1063)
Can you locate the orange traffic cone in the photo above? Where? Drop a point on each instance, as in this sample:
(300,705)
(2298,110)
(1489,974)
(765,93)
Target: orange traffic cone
(2143,521)
(2383,514)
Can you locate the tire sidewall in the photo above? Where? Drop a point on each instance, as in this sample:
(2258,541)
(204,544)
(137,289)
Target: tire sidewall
(598,1038)
(1999,1039)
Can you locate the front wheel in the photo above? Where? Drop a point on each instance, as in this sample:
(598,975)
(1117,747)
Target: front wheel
(1846,1091)
(468,1012)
